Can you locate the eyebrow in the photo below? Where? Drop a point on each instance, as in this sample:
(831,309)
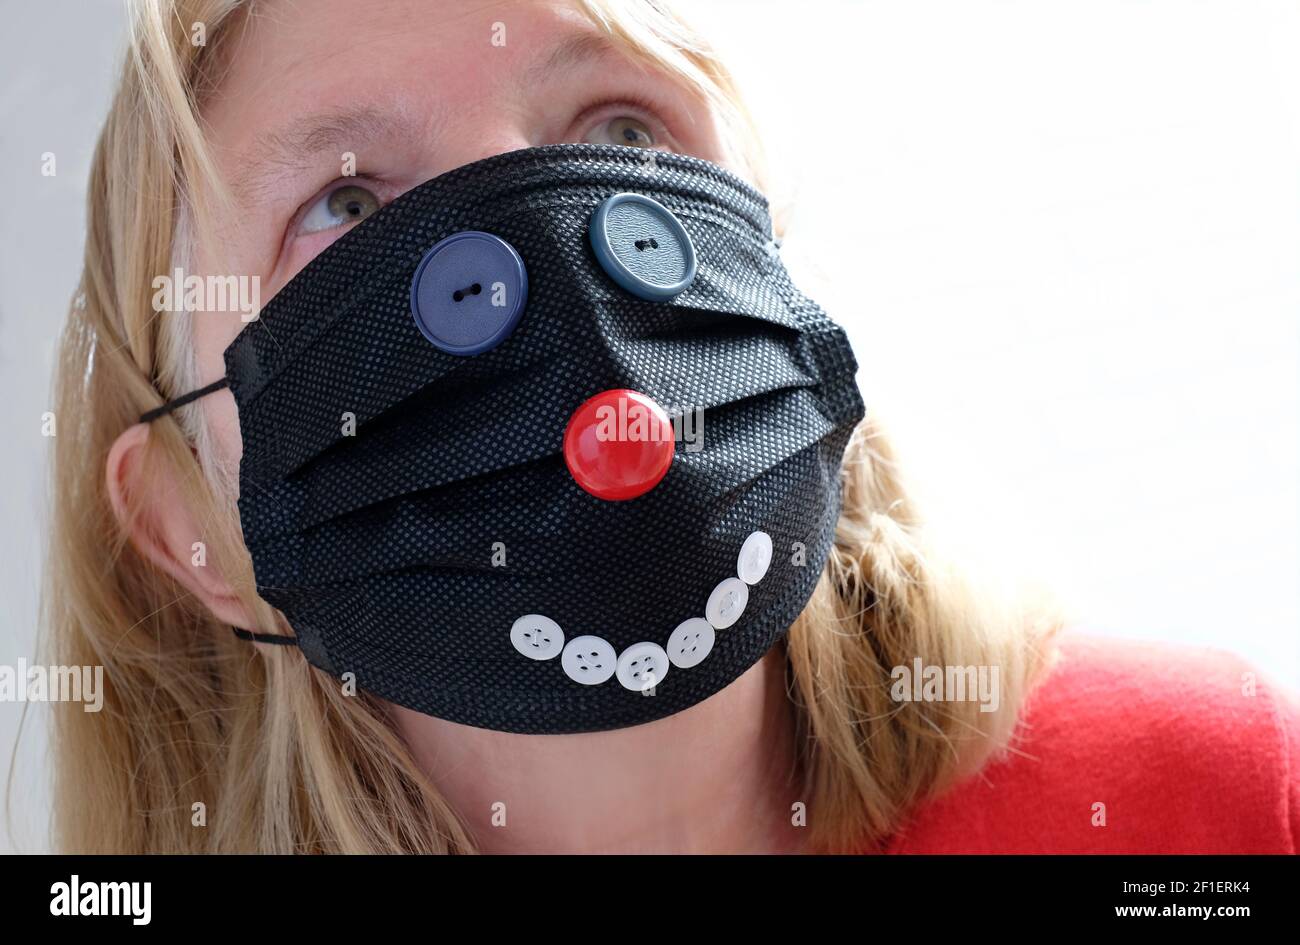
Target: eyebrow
(568,54)
(290,149)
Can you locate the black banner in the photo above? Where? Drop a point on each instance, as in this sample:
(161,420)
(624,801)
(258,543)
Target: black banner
(925,894)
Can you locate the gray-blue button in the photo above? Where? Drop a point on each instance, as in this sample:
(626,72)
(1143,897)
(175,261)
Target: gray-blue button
(468,292)
(643,247)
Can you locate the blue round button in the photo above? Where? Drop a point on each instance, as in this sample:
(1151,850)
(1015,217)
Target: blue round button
(643,247)
(468,292)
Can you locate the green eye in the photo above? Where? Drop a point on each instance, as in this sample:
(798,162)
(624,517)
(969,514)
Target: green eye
(340,207)
(625,131)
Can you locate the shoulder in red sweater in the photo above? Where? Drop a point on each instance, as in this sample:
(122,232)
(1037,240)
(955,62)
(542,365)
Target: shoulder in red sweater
(1185,754)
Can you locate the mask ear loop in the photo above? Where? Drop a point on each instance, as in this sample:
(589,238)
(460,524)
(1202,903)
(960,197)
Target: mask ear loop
(149,416)
(276,638)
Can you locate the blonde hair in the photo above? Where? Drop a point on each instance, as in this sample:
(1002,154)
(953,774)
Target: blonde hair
(279,757)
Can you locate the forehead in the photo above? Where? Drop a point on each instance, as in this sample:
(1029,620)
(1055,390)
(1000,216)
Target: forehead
(285,48)
(409,59)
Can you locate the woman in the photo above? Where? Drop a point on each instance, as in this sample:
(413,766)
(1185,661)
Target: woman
(248,138)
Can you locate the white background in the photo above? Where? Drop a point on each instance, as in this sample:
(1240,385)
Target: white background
(1065,238)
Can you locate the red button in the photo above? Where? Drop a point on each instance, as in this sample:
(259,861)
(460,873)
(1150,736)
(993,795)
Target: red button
(618,445)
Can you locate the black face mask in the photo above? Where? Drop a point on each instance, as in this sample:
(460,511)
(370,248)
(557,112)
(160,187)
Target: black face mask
(459,478)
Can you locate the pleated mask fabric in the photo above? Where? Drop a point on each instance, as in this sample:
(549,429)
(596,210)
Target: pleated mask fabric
(410,510)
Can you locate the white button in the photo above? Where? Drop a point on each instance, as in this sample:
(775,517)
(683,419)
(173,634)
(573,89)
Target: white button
(755,557)
(537,637)
(642,666)
(690,643)
(589,660)
(727,603)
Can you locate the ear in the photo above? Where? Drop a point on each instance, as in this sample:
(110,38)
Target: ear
(163,528)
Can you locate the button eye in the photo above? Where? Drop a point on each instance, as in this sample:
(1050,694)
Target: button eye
(642,246)
(623,130)
(468,292)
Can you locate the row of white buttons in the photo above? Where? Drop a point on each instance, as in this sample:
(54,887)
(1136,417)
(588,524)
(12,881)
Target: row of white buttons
(590,660)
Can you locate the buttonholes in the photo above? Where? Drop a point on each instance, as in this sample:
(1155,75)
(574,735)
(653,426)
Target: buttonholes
(459,294)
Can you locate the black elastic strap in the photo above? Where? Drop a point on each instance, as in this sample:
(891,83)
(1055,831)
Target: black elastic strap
(151,415)
(276,638)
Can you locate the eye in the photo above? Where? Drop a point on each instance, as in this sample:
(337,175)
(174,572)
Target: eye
(340,207)
(622,130)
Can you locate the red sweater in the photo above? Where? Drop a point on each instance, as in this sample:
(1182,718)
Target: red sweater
(1184,759)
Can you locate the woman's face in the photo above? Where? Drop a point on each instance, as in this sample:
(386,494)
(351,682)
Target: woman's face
(404,90)
(409,89)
